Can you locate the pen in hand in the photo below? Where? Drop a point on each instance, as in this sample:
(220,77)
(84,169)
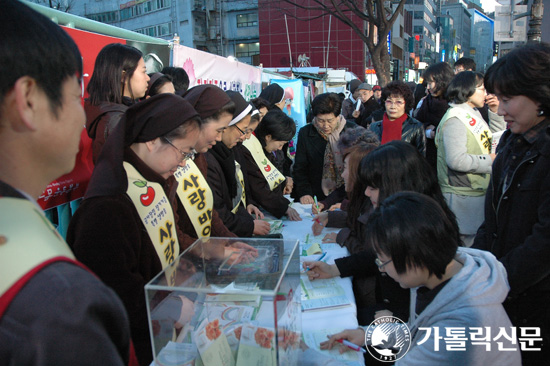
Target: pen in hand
(320,259)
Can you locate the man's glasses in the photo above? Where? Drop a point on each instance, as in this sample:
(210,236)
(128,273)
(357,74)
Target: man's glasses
(184,155)
(381,264)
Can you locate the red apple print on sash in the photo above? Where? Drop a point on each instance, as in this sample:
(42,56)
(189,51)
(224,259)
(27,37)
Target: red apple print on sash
(146,198)
(267,167)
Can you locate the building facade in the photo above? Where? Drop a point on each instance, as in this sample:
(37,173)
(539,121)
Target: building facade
(225,28)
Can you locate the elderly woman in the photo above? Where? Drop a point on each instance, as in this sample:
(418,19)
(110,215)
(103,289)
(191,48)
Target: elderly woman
(319,163)
(124,229)
(464,157)
(396,123)
(517,203)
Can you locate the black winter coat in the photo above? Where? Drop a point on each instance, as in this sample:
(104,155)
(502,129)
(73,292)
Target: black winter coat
(517,231)
(308,163)
(412,132)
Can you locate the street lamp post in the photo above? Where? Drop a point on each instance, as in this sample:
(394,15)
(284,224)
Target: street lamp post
(535,21)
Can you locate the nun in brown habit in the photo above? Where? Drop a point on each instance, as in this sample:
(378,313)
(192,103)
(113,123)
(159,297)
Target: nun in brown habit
(131,199)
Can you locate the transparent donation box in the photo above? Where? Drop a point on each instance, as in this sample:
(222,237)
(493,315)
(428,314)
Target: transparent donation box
(228,301)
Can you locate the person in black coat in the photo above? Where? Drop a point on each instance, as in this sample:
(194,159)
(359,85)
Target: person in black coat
(231,198)
(319,164)
(517,204)
(396,124)
(265,169)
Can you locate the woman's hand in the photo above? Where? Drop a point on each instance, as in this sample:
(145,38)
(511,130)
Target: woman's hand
(492,102)
(292,214)
(261,227)
(320,270)
(254,211)
(335,207)
(314,209)
(289,186)
(319,223)
(355,336)
(430,132)
(330,238)
(307,199)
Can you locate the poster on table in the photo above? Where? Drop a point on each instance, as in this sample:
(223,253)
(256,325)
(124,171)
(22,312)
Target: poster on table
(295,106)
(206,68)
(73,185)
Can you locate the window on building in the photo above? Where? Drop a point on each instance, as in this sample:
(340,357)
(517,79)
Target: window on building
(160,30)
(418,29)
(247,20)
(247,49)
(418,15)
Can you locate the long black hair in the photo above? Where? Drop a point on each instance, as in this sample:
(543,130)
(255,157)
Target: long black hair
(398,166)
(114,66)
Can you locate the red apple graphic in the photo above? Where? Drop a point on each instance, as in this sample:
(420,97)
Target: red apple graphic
(146,198)
(267,167)
(472,122)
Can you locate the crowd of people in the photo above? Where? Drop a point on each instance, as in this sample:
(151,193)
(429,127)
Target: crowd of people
(443,203)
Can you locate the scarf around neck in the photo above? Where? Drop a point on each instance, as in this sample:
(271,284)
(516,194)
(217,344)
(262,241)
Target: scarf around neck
(226,158)
(392,130)
(333,163)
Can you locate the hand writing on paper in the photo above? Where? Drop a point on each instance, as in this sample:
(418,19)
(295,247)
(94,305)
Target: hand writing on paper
(330,238)
(292,214)
(321,270)
(355,336)
(319,223)
(254,211)
(289,186)
(314,208)
(306,200)
(261,227)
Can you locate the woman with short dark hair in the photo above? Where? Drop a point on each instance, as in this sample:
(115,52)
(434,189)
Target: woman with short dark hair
(264,163)
(434,105)
(318,164)
(396,123)
(464,156)
(417,246)
(517,203)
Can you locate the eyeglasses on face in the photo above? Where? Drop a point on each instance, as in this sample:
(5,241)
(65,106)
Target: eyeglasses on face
(398,103)
(246,130)
(381,264)
(184,155)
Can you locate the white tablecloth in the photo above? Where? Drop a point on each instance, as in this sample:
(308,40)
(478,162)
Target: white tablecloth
(332,318)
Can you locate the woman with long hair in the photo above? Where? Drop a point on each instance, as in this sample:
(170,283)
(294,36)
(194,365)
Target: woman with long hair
(464,156)
(393,167)
(118,81)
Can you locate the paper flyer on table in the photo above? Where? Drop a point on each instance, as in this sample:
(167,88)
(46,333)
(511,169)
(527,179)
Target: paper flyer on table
(212,344)
(321,294)
(257,346)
